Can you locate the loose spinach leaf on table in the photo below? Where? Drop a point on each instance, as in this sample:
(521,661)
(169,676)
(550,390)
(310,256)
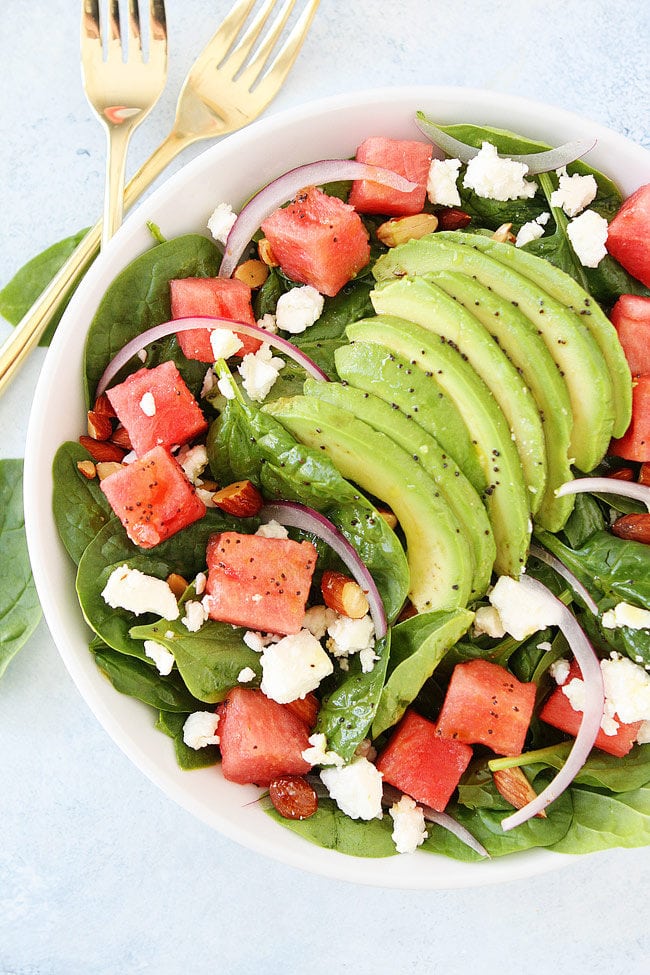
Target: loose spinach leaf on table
(20,610)
(79,506)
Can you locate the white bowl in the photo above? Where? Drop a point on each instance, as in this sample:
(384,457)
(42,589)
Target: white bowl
(228,172)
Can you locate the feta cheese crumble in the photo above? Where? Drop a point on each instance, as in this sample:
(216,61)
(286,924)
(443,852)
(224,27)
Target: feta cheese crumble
(317,753)
(194,461)
(559,670)
(268,323)
(441,182)
(196,614)
(532,230)
(221,222)
(293,667)
(522,610)
(224,343)
(348,636)
(200,729)
(138,593)
(224,385)
(574,193)
(355,788)
(496,178)
(317,619)
(272,529)
(161,656)
(588,236)
(259,371)
(409,830)
(488,621)
(245,675)
(625,614)
(148,404)
(627,693)
(299,308)
(255,641)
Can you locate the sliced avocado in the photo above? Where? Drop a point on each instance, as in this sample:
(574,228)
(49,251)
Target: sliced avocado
(528,353)
(566,289)
(506,496)
(570,343)
(447,477)
(421,301)
(441,573)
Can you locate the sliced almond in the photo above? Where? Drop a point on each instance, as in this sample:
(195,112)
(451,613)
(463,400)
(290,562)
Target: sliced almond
(452,218)
(515,788)
(103,406)
(241,499)
(100,427)
(253,273)
(87,468)
(121,437)
(504,234)
(177,584)
(343,594)
(622,474)
(102,449)
(633,527)
(107,467)
(644,474)
(402,229)
(266,254)
(388,516)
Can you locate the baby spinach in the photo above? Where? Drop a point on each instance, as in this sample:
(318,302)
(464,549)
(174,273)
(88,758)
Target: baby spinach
(140,679)
(171,724)
(602,820)
(20,610)
(333,830)
(79,506)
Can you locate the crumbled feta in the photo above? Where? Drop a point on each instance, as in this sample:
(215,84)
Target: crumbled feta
(588,236)
(496,178)
(148,404)
(224,385)
(317,753)
(221,222)
(200,729)
(194,461)
(161,656)
(624,614)
(355,788)
(441,182)
(409,830)
(532,230)
(349,636)
(196,615)
(627,693)
(259,371)
(488,621)
(199,583)
(643,734)
(545,645)
(206,497)
(224,343)
(245,675)
(299,308)
(559,670)
(256,641)
(521,608)
(317,619)
(138,593)
(268,323)
(293,667)
(272,529)
(368,659)
(142,355)
(574,193)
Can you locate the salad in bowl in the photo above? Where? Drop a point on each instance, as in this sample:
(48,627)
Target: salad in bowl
(353,489)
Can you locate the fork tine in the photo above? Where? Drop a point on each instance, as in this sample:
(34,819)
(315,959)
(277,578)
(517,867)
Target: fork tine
(135,37)
(254,68)
(238,55)
(224,37)
(114,43)
(157,23)
(283,61)
(91,33)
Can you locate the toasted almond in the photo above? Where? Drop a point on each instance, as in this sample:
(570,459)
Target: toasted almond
(504,234)
(121,437)
(100,427)
(343,594)
(633,527)
(408,611)
(644,474)
(253,273)
(177,584)
(452,218)
(207,485)
(402,229)
(87,468)
(241,499)
(388,516)
(622,474)
(266,254)
(103,406)
(107,467)
(102,449)
(515,788)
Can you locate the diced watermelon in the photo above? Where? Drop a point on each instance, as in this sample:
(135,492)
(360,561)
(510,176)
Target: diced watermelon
(486,704)
(259,738)
(631,318)
(261,583)
(420,763)
(628,235)
(175,417)
(558,712)
(306,708)
(404,156)
(318,240)
(215,298)
(152,498)
(635,442)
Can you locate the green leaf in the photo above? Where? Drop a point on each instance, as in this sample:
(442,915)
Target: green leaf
(140,679)
(584,521)
(187,758)
(19,294)
(79,505)
(20,610)
(333,830)
(602,820)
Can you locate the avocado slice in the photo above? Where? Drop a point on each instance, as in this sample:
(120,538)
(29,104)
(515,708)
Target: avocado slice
(441,573)
(566,289)
(421,301)
(570,343)
(506,496)
(528,353)
(447,477)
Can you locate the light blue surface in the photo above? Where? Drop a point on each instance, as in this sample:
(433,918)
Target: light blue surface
(100,874)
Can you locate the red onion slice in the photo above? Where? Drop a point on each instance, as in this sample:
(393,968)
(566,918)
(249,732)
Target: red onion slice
(606,485)
(591,716)
(393,795)
(537,162)
(187,324)
(285,187)
(567,575)
(295,515)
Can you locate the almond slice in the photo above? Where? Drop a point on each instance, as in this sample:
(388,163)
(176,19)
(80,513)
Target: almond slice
(343,594)
(241,499)
(102,449)
(402,229)
(87,468)
(100,426)
(634,527)
(515,788)
(177,584)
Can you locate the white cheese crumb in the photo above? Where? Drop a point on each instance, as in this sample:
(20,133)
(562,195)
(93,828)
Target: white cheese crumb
(496,178)
(643,734)
(559,670)
(409,830)
(224,385)
(200,582)
(256,641)
(194,461)
(200,729)
(317,619)
(196,615)
(627,693)
(268,323)
(224,343)
(142,355)
(299,308)
(161,656)
(317,753)
(529,231)
(545,645)
(488,621)
(293,667)
(272,529)
(574,193)
(221,222)
(624,614)
(148,404)
(259,371)
(588,236)
(355,788)
(138,593)
(205,497)
(245,675)
(441,182)
(521,608)
(349,636)
(368,659)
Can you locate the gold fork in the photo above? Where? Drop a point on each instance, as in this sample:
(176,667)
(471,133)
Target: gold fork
(199,115)
(121,86)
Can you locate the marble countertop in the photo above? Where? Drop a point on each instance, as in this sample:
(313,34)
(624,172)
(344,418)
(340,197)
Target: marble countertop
(100,873)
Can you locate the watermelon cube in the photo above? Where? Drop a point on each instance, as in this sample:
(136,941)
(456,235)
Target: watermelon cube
(212,298)
(318,240)
(259,738)
(635,442)
(486,704)
(408,158)
(261,583)
(631,318)
(157,409)
(628,235)
(152,498)
(421,763)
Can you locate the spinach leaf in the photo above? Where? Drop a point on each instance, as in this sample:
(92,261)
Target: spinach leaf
(584,521)
(20,610)
(140,679)
(171,724)
(138,299)
(602,820)
(27,284)
(333,830)
(79,506)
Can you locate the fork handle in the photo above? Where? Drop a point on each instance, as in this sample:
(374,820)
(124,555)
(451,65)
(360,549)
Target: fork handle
(25,336)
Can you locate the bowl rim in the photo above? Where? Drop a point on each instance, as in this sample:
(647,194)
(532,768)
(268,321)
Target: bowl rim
(53,571)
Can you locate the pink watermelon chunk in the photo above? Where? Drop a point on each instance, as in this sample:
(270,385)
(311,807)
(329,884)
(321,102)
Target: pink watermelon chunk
(215,298)
(318,240)
(408,158)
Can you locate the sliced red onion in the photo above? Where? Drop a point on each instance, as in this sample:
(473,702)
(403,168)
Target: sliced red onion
(285,187)
(567,575)
(393,795)
(606,485)
(131,348)
(591,717)
(537,162)
(295,515)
